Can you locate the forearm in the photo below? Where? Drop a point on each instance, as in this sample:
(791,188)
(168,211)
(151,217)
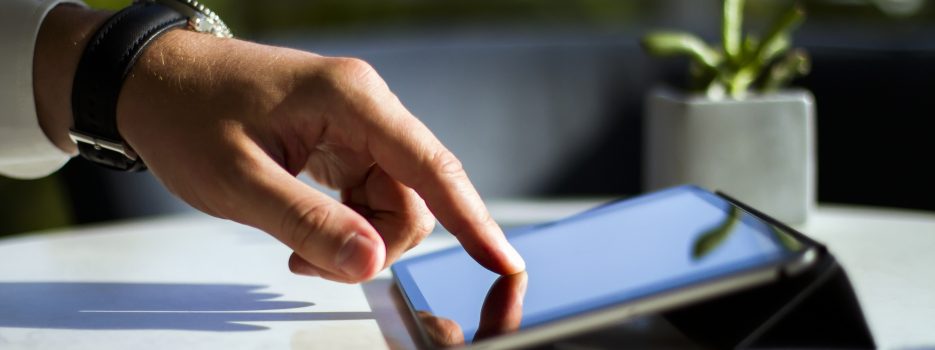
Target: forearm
(62,38)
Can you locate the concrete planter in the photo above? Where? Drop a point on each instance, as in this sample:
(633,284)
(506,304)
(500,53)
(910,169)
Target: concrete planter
(760,150)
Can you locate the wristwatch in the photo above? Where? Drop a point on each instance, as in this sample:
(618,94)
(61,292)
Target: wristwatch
(108,59)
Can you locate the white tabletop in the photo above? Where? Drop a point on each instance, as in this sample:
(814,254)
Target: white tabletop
(199,282)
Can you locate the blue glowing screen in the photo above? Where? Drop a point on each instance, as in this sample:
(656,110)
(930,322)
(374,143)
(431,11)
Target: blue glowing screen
(609,255)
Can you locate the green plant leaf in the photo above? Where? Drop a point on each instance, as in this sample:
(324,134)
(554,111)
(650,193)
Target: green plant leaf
(795,63)
(679,43)
(750,45)
(731,32)
(742,60)
(740,81)
(776,47)
(778,38)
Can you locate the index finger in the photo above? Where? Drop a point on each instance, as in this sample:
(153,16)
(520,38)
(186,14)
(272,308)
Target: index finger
(410,153)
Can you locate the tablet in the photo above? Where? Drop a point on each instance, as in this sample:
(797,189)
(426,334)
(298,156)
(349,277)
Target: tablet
(628,258)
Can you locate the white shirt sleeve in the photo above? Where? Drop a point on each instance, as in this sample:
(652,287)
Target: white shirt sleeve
(25,151)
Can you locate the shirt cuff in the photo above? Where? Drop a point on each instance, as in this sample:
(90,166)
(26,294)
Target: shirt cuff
(25,151)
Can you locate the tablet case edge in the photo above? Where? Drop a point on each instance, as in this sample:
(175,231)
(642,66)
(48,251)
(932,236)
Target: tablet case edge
(816,309)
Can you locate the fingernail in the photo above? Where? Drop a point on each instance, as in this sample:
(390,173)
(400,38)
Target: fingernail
(355,256)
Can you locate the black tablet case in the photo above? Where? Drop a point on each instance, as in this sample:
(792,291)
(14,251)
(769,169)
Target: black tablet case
(814,309)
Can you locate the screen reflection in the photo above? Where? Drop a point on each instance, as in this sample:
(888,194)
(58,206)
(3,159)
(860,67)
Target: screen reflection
(612,254)
(501,312)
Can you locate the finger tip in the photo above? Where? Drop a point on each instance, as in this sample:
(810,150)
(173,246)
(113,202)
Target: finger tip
(506,266)
(502,259)
(515,262)
(514,269)
(378,261)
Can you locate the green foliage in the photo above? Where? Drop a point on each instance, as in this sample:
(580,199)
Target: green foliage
(742,60)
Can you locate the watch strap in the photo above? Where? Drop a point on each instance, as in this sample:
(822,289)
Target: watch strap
(102,70)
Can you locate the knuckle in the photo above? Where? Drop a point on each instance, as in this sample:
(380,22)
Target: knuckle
(423,229)
(426,227)
(304,220)
(421,226)
(355,74)
(445,164)
(425,221)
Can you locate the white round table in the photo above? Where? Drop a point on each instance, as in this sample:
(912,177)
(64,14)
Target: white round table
(198,282)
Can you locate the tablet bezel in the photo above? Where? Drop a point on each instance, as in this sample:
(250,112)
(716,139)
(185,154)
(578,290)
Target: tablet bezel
(594,319)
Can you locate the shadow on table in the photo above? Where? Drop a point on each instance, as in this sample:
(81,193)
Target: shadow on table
(169,306)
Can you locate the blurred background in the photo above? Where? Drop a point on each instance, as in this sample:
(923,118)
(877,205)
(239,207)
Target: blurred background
(543,99)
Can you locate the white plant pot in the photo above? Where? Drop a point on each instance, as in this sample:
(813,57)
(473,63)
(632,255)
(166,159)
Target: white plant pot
(760,150)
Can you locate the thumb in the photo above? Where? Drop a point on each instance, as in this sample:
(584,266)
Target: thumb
(334,239)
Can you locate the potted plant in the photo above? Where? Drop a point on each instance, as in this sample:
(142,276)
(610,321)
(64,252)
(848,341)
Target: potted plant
(735,130)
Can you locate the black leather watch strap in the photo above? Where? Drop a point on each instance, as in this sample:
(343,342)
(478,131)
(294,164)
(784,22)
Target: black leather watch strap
(104,65)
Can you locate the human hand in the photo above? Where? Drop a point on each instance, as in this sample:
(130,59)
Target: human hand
(502,312)
(226,125)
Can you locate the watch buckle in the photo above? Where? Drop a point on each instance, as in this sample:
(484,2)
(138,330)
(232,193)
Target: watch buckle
(101,143)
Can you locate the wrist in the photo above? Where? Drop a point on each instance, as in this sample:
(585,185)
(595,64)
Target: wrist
(62,38)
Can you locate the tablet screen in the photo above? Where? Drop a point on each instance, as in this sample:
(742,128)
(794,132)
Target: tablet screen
(608,255)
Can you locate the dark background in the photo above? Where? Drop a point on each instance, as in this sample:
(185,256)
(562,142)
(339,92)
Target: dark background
(544,98)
